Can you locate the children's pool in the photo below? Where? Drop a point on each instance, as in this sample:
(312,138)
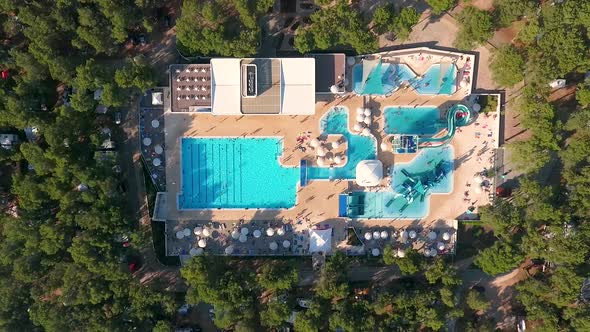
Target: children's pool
(412,121)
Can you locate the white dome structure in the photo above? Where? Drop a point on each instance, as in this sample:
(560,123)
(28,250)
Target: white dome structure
(368,236)
(375,252)
(369,173)
(202,243)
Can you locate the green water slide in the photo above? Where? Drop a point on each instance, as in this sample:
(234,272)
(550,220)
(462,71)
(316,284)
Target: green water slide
(457,116)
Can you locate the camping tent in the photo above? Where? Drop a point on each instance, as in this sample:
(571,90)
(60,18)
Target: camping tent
(320,240)
(369,173)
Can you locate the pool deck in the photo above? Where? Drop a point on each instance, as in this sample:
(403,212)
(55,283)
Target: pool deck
(318,201)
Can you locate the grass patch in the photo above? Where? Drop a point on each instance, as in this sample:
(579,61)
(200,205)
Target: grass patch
(471,239)
(488,103)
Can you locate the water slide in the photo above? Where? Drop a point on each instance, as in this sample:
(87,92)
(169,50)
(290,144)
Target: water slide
(457,116)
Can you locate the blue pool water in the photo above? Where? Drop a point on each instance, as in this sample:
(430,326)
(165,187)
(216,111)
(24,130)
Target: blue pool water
(434,82)
(388,77)
(235,173)
(359,147)
(412,121)
(383,81)
(389,204)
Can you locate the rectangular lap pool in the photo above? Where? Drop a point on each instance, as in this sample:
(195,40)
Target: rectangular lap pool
(235,173)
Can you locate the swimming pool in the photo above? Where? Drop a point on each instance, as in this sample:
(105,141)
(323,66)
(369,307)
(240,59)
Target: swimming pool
(439,79)
(392,203)
(359,147)
(235,173)
(383,80)
(412,121)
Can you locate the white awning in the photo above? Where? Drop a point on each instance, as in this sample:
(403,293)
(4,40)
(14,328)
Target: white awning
(369,173)
(225,86)
(320,240)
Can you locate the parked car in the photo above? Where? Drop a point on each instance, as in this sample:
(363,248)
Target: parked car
(118,118)
(212,314)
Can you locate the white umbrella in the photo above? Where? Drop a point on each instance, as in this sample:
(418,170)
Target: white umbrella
(403,236)
(334,89)
(157,162)
(187,232)
(286,244)
(476,107)
(257,233)
(368,236)
(242,238)
(338,159)
(199,251)
(155,123)
(245,230)
(477,179)
(366,131)
(335,145)
(202,243)
(376,235)
(401,253)
(446,236)
(412,234)
(360,118)
(367,120)
(158,149)
(360,111)
(367,112)
(198,230)
(270,232)
(273,245)
(206,232)
(375,252)
(229,250)
(193,252)
(235,234)
(315,142)
(427,252)
(432,235)
(384,146)
(433,252)
(384,235)
(321,152)
(477,190)
(147,141)
(281,231)
(357,127)
(321,161)
(179,235)
(440,246)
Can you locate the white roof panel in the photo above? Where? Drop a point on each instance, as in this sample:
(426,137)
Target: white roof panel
(225,72)
(299,71)
(225,99)
(298,99)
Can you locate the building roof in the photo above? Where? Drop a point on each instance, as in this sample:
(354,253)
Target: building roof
(225,86)
(330,69)
(263,86)
(8,140)
(190,87)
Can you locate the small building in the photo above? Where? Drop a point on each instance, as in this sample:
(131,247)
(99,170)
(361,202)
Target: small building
(330,72)
(8,141)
